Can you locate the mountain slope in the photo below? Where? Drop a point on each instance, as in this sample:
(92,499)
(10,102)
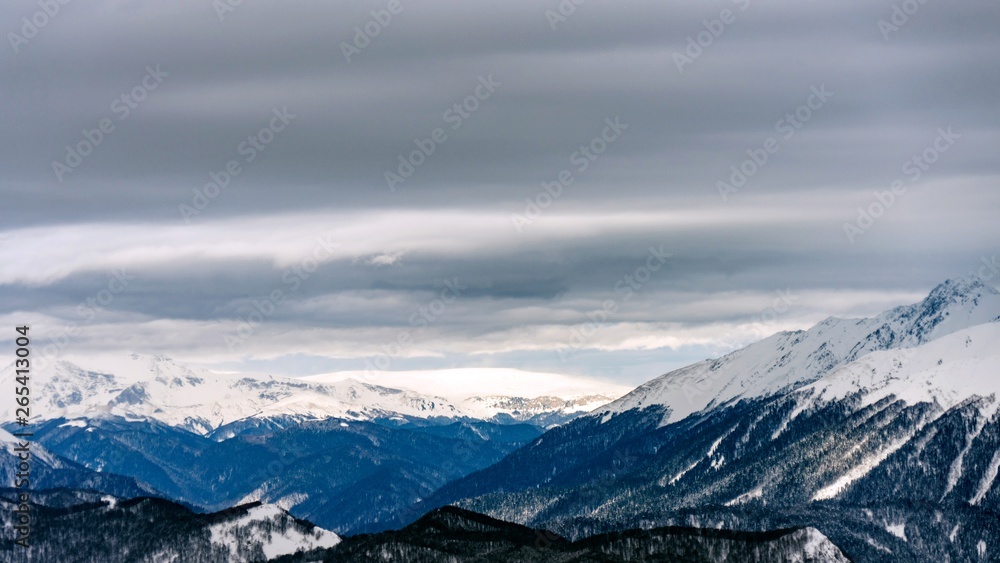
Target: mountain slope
(894,425)
(50,471)
(914,424)
(345,475)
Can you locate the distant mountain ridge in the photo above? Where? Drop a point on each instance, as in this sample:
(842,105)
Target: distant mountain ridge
(159,388)
(542,411)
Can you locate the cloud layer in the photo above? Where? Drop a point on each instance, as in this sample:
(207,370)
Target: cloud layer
(324,186)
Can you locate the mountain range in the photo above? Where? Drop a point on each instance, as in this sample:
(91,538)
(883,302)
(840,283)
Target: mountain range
(158,388)
(877,436)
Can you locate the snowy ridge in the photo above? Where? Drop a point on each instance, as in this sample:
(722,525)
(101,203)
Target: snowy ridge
(158,388)
(458,384)
(522,408)
(789,360)
(137,387)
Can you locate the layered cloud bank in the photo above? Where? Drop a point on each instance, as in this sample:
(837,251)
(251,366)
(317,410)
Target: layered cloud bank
(604,190)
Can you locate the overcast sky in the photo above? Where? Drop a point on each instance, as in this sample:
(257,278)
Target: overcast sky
(326,243)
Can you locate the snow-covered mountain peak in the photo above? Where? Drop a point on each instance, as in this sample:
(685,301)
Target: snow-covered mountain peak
(963,288)
(788,360)
(953,305)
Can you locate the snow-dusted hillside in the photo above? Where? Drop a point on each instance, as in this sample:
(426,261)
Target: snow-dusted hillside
(945,372)
(89,527)
(788,360)
(273,528)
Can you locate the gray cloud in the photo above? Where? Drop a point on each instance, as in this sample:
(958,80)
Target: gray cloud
(452,219)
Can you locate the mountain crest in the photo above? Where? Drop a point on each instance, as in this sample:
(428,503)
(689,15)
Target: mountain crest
(789,360)
(966,286)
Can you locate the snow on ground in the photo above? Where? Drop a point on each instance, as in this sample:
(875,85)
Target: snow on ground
(817,547)
(746,497)
(988,478)
(75,423)
(865,467)
(955,471)
(898,530)
(678,477)
(944,372)
(293,539)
